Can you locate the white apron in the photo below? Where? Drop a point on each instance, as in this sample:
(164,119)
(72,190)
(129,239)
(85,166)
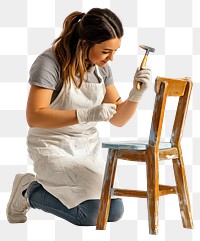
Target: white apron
(68,161)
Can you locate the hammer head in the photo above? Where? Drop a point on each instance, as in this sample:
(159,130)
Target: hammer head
(147,48)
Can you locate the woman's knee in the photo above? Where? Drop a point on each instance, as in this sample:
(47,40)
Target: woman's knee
(116,210)
(88,212)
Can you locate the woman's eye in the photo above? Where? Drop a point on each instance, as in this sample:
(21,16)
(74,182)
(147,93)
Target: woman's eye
(105,52)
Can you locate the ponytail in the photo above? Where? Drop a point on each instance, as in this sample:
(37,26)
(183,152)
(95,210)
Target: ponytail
(65,46)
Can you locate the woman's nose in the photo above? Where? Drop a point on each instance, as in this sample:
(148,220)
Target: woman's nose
(110,56)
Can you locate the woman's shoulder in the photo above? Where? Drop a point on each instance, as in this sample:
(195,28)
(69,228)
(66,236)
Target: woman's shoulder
(106,74)
(46,59)
(45,71)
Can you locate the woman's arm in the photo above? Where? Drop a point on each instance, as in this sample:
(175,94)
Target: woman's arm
(39,113)
(125,110)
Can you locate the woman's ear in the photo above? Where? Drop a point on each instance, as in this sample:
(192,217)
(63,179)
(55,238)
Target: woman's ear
(85,43)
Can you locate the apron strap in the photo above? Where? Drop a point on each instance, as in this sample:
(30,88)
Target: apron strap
(98,73)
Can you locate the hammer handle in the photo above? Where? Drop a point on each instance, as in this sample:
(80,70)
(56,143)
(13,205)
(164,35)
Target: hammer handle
(144,61)
(138,85)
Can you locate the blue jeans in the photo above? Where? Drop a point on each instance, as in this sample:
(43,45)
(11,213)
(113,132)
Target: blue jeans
(85,214)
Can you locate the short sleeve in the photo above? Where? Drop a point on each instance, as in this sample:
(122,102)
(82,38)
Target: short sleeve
(106,73)
(45,71)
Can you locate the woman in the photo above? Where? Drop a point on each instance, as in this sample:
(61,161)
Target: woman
(71,90)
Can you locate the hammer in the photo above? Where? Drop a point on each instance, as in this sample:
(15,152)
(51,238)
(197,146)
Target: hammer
(148,49)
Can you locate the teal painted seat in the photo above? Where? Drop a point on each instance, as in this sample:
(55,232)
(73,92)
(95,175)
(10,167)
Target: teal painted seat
(132,145)
(151,152)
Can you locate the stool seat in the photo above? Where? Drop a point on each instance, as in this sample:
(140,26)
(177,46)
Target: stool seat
(133,145)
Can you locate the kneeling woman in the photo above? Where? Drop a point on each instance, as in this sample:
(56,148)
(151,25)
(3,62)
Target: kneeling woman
(71,90)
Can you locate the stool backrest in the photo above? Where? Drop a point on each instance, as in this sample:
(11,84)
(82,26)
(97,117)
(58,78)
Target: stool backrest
(165,87)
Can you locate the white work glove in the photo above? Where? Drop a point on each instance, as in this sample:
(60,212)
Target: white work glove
(144,76)
(103,112)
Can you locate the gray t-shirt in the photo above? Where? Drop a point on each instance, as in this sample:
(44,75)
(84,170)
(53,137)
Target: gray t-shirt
(45,72)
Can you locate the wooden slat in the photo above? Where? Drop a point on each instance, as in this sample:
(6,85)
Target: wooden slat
(132,155)
(169,153)
(104,206)
(140,156)
(128,193)
(183,193)
(180,117)
(176,87)
(165,190)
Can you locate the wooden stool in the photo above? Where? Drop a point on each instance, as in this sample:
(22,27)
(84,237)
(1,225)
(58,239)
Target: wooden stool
(151,153)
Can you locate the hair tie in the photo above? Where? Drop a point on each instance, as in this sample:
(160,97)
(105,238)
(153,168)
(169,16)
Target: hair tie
(81,16)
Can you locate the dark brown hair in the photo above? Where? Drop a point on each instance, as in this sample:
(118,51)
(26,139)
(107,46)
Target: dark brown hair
(96,26)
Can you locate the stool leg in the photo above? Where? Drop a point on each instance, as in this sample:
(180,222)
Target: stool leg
(104,206)
(152,190)
(182,189)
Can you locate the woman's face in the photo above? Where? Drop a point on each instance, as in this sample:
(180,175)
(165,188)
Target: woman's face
(101,53)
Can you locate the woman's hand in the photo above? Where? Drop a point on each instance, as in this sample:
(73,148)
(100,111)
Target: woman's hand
(144,77)
(103,112)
